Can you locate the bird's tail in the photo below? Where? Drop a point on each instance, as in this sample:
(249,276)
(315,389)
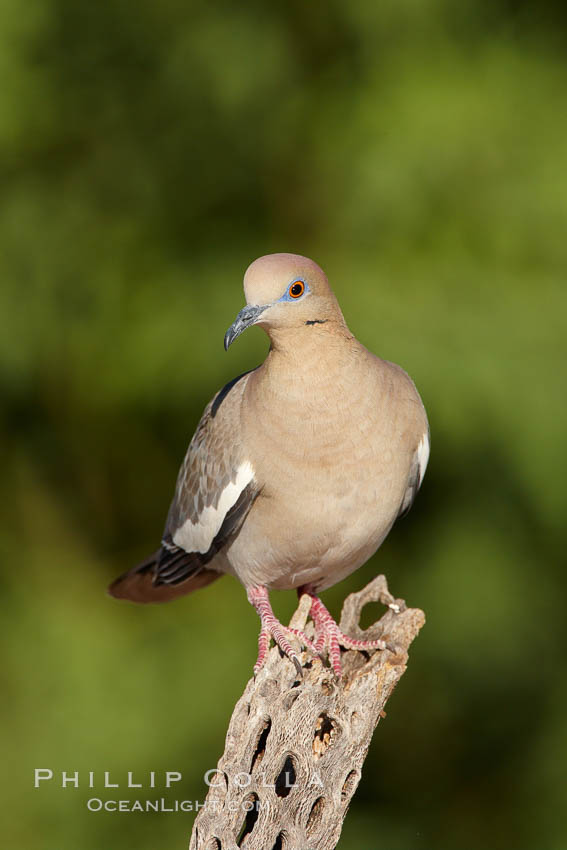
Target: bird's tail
(137,585)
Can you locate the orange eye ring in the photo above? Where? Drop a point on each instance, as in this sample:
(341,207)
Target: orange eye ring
(296,289)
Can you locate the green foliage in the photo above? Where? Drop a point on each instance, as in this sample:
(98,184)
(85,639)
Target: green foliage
(147,154)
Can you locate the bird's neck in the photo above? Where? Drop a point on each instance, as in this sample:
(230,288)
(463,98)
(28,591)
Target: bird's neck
(309,359)
(309,342)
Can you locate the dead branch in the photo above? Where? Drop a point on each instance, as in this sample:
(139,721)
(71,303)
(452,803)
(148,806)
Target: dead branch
(295,747)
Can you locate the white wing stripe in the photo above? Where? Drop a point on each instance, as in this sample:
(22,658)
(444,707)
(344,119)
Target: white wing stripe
(423,456)
(197,537)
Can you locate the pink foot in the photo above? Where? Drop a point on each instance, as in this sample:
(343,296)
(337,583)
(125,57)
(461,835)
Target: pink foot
(272,628)
(329,635)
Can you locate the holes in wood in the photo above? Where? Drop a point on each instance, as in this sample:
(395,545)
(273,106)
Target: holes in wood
(325,731)
(349,785)
(260,750)
(214,844)
(315,818)
(251,804)
(286,778)
(279,842)
(370,614)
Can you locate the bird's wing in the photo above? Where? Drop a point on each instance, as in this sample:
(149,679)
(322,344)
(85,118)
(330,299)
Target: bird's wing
(215,490)
(418,467)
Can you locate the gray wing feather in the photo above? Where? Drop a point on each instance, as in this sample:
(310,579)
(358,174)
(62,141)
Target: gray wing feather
(211,465)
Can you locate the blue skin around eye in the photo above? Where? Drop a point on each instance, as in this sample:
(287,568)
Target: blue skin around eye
(287,297)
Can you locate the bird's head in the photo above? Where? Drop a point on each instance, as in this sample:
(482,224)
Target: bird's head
(285,292)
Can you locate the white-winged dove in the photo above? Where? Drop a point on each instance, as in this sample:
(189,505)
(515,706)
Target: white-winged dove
(298,469)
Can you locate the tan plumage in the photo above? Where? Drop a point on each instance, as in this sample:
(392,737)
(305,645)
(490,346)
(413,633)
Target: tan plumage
(298,469)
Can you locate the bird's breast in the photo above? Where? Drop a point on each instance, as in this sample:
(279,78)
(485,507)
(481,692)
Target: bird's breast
(332,465)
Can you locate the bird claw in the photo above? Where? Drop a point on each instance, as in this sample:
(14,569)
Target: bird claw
(328,634)
(298,666)
(272,628)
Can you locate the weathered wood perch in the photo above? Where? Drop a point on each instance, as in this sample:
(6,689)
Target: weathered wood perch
(295,747)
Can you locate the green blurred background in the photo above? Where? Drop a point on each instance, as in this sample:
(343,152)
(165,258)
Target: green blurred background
(149,152)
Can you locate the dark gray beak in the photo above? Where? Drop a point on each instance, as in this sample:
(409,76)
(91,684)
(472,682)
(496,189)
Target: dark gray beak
(249,315)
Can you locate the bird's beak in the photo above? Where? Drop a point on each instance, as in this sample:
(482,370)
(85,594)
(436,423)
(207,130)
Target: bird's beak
(249,315)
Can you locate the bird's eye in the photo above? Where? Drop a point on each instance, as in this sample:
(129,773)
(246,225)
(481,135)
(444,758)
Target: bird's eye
(297,289)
